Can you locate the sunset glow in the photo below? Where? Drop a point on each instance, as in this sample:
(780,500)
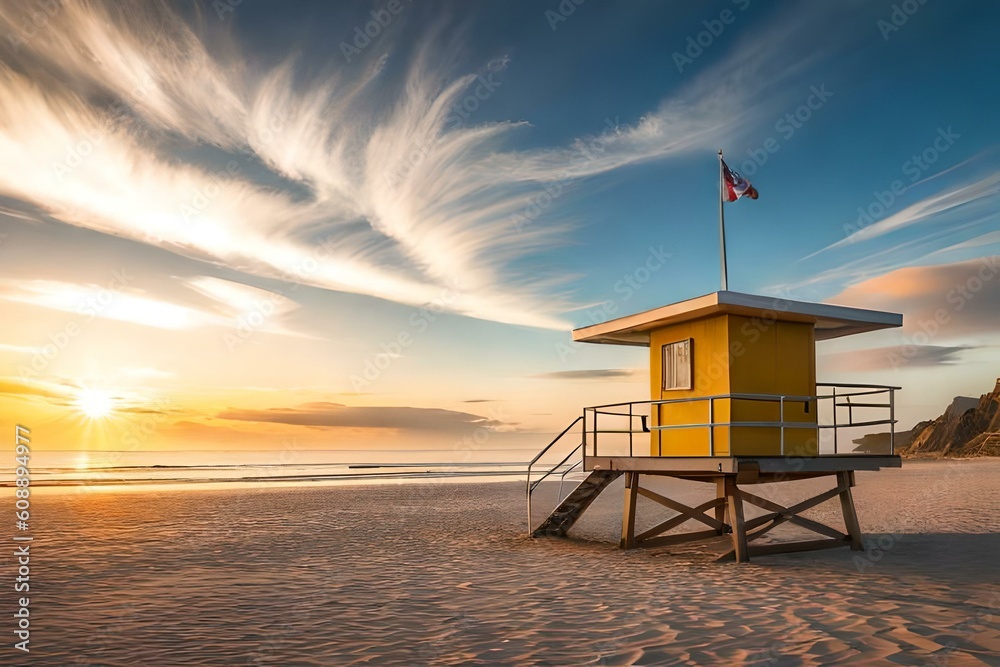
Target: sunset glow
(95,403)
(226,241)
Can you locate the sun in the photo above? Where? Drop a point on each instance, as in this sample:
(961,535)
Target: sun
(95,403)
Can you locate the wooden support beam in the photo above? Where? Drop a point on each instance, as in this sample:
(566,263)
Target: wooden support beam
(735,503)
(792,547)
(720,508)
(757,521)
(728,505)
(776,519)
(657,498)
(748,472)
(697,514)
(779,514)
(790,513)
(628,514)
(667,540)
(786,547)
(845,482)
(772,520)
(798,507)
(695,478)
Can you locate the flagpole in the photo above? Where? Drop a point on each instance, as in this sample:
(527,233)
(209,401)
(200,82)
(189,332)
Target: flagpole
(722,224)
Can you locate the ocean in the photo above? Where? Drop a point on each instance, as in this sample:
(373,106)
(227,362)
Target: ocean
(123,468)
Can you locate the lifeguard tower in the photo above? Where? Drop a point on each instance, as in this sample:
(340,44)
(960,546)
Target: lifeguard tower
(733,402)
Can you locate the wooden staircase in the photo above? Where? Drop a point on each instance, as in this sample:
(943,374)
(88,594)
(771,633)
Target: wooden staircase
(569,510)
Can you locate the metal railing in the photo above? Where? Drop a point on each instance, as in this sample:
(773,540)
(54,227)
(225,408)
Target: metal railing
(637,421)
(839,397)
(531,486)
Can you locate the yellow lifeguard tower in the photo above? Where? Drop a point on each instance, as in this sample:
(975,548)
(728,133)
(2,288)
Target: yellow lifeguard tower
(734,401)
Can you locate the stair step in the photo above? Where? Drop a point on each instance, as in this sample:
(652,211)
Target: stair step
(569,510)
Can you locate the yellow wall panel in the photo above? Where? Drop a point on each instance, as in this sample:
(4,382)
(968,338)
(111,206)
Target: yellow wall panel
(736,354)
(710,375)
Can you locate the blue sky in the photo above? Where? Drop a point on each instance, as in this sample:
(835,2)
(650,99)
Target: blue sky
(294,205)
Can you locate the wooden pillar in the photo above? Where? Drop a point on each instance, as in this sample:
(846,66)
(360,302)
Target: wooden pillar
(735,502)
(628,514)
(720,509)
(845,480)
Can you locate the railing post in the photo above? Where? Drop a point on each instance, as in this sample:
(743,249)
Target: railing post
(834,420)
(528,494)
(583,441)
(659,433)
(711,426)
(597,414)
(630,429)
(892,421)
(781,418)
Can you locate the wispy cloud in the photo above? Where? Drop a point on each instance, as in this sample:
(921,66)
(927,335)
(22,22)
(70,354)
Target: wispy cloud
(235,301)
(892,357)
(976,243)
(953,223)
(923,249)
(388,417)
(221,303)
(96,301)
(146,373)
(950,199)
(18,349)
(104,109)
(56,393)
(595,374)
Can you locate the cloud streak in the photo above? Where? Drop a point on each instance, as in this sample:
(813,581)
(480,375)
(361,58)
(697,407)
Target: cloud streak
(219,303)
(595,374)
(977,193)
(892,357)
(89,301)
(119,118)
(325,414)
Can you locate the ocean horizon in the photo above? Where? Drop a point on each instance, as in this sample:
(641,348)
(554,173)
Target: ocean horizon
(114,468)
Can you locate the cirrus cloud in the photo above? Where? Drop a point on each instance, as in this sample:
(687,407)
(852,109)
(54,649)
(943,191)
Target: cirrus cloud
(131,120)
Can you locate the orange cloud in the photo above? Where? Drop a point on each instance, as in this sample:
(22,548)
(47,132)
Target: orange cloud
(19,387)
(944,301)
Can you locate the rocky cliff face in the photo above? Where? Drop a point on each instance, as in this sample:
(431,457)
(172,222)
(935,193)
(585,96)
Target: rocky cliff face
(967,428)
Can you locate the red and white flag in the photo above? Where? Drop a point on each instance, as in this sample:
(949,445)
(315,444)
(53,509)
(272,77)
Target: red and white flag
(735,185)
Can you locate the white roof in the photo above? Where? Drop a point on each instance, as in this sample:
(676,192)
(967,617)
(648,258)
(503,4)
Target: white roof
(831,321)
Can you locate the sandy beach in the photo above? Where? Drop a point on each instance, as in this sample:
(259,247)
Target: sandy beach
(442,574)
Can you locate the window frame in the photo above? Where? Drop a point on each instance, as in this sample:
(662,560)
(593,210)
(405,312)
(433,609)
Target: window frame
(664,374)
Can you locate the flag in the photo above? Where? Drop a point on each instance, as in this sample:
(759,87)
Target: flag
(735,185)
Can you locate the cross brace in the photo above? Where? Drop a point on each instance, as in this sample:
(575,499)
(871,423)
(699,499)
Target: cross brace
(727,519)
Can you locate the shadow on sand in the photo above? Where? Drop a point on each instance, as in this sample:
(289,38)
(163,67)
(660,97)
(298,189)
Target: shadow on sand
(949,558)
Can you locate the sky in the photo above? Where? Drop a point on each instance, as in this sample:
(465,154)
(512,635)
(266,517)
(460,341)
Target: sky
(250,224)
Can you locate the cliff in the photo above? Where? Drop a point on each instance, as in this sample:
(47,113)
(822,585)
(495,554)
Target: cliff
(968,427)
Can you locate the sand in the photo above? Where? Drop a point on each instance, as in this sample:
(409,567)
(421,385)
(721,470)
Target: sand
(442,574)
